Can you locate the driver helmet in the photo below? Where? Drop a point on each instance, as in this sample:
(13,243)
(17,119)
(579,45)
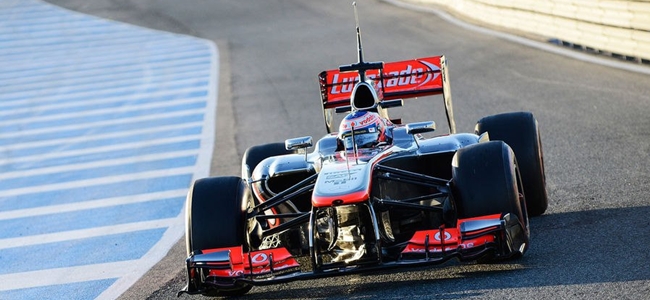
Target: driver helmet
(369,130)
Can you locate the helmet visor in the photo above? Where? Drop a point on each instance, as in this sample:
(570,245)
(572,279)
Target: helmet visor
(364,138)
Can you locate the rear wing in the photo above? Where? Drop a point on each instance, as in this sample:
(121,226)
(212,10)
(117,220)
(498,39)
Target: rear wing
(397,80)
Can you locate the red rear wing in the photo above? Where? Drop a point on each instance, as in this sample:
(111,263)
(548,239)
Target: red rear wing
(398,80)
(401,79)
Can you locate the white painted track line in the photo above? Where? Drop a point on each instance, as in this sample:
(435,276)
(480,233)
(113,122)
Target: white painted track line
(80,96)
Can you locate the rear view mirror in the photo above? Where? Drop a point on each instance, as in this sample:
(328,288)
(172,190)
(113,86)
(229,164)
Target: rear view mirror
(298,143)
(420,127)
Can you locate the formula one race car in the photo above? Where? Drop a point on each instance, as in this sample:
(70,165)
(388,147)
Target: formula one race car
(376,194)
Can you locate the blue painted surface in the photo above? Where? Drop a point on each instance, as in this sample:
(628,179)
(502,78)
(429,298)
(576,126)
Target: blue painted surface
(93,114)
(67,176)
(125,125)
(99,92)
(114,247)
(95,192)
(89,289)
(88,218)
(122,153)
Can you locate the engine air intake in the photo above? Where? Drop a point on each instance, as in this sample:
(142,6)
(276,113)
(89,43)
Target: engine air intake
(364,97)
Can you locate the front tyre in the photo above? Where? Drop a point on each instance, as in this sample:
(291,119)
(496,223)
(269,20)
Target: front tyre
(216,218)
(485,182)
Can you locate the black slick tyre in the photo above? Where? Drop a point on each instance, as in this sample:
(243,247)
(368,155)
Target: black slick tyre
(254,155)
(485,182)
(215,218)
(520,131)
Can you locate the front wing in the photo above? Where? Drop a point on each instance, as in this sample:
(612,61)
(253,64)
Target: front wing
(498,235)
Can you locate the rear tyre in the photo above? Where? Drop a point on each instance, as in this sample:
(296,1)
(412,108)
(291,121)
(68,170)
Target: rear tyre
(485,181)
(216,216)
(520,131)
(254,155)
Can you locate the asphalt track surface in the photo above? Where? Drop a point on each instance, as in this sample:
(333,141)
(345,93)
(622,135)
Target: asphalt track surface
(592,243)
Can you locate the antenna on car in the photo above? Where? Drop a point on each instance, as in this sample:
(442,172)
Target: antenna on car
(361,66)
(354,146)
(362,73)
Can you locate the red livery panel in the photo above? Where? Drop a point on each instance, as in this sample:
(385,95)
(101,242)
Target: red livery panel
(402,79)
(448,239)
(263,262)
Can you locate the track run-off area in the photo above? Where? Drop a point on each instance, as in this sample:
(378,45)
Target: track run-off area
(103,127)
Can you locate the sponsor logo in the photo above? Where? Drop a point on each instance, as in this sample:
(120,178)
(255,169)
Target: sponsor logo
(339,180)
(431,249)
(421,249)
(447,236)
(356,123)
(345,88)
(409,76)
(259,258)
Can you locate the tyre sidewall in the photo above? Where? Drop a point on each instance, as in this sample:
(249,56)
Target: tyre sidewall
(216,213)
(485,181)
(521,132)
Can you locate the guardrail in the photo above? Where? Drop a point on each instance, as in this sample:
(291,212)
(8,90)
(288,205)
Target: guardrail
(617,27)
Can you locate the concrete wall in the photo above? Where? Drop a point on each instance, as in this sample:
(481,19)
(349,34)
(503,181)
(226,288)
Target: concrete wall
(613,26)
